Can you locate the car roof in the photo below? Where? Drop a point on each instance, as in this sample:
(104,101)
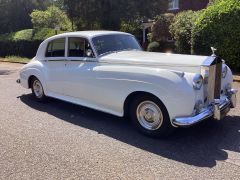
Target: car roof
(88,34)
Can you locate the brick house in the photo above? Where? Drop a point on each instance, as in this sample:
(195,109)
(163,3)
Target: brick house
(175,6)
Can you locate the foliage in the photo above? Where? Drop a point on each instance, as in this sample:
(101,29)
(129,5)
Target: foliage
(25,34)
(29,34)
(181,30)
(132,27)
(154,47)
(150,37)
(15,14)
(160,29)
(19,48)
(219,26)
(50,18)
(109,14)
(44,33)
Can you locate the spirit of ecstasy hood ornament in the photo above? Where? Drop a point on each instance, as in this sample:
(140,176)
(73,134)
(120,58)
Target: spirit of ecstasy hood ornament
(213,51)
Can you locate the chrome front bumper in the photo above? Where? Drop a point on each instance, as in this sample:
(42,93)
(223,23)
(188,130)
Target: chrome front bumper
(218,110)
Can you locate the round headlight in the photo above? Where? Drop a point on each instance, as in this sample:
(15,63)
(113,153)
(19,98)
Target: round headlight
(197,81)
(224,71)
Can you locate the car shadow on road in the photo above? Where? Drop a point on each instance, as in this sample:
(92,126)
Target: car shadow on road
(201,145)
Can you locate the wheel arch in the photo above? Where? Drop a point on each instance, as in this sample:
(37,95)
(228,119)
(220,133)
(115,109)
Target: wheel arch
(37,74)
(134,94)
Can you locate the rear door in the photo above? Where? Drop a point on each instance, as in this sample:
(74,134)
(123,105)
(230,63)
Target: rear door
(55,63)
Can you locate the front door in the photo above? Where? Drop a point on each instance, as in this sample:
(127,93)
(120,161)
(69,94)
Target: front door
(80,74)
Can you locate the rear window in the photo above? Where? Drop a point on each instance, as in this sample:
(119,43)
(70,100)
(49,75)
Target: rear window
(56,48)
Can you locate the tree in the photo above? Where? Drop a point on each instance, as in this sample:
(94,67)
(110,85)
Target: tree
(15,13)
(160,30)
(108,14)
(50,18)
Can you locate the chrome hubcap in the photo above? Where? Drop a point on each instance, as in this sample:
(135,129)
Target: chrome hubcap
(149,115)
(37,88)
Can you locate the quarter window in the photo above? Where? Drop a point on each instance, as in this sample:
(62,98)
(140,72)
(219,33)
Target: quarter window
(78,47)
(56,48)
(173,4)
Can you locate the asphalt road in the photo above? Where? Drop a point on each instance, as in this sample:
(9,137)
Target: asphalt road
(58,140)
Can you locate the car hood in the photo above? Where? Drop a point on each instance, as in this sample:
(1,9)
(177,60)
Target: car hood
(185,63)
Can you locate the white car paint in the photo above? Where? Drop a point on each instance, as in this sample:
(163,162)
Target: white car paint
(105,82)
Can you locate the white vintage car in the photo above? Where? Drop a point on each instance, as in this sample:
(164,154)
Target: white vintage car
(108,71)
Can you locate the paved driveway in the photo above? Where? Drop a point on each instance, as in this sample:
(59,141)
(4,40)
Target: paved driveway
(58,140)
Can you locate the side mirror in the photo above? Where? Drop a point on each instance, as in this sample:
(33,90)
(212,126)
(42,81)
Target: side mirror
(89,53)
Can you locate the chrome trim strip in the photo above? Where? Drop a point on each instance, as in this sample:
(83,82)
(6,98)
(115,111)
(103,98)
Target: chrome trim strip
(55,60)
(214,110)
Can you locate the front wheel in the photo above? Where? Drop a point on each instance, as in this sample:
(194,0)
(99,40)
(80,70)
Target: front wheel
(37,90)
(150,116)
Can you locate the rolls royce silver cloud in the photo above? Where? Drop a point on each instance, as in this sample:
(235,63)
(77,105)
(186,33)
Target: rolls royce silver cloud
(108,71)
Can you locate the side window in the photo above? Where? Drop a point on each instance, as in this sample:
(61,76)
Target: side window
(56,48)
(79,47)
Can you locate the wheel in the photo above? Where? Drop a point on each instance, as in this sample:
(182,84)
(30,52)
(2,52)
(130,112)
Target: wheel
(37,90)
(150,116)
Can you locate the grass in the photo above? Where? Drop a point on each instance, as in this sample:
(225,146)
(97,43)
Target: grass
(15,59)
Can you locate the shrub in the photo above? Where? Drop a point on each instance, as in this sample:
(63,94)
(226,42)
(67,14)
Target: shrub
(44,33)
(160,29)
(29,34)
(132,27)
(181,30)
(19,48)
(153,47)
(219,26)
(25,34)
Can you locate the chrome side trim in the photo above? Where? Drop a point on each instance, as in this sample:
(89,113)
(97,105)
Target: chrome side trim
(218,110)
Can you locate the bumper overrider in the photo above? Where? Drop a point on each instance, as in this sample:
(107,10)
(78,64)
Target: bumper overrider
(217,110)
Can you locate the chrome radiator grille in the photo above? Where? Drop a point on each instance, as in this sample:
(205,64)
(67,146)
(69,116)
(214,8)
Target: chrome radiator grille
(214,65)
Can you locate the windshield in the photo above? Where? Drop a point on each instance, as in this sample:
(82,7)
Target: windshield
(117,42)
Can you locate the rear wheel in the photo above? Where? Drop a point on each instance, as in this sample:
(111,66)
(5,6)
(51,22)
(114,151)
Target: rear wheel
(150,116)
(37,90)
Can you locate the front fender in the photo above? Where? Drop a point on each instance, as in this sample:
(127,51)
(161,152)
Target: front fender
(175,91)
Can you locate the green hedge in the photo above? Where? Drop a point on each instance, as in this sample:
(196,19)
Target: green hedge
(29,34)
(19,48)
(25,34)
(219,26)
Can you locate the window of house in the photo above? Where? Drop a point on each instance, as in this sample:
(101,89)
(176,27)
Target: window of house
(56,48)
(78,47)
(173,4)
